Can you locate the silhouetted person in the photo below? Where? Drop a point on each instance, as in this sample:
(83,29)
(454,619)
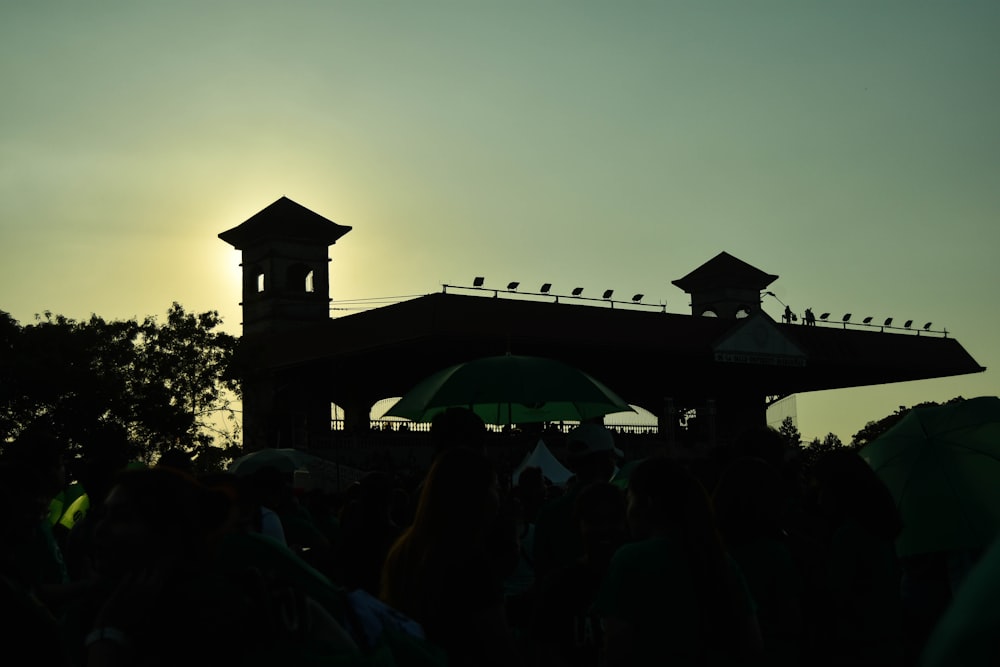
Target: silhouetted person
(440,572)
(458,427)
(810,319)
(673,595)
(41,558)
(170,597)
(31,628)
(178,459)
(522,504)
(750,503)
(592,456)
(462,428)
(368,532)
(565,629)
(859,576)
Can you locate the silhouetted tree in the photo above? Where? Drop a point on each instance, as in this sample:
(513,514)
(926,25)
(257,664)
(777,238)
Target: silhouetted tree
(790,433)
(167,385)
(874,429)
(816,447)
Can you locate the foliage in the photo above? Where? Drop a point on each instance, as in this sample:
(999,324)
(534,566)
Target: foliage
(790,433)
(874,429)
(166,385)
(816,448)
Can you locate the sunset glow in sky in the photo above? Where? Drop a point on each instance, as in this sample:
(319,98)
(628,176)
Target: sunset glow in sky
(852,148)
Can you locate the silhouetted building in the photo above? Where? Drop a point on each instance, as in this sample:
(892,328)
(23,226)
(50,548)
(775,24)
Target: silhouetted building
(295,361)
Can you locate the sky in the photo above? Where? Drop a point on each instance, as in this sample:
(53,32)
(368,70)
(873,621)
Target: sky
(852,148)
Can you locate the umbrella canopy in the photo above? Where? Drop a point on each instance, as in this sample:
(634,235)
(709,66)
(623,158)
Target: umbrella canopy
(942,466)
(511,389)
(283,459)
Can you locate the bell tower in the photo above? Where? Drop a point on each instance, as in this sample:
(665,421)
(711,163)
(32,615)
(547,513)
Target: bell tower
(286,274)
(725,286)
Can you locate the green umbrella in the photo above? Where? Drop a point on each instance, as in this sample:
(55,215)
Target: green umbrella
(942,466)
(511,389)
(283,459)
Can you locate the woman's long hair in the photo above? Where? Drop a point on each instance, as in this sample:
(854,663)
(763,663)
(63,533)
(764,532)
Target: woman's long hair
(449,521)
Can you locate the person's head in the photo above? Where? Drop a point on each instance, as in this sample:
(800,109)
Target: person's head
(106,453)
(244,508)
(846,488)
(271,487)
(375,489)
(157,515)
(459,496)
(458,427)
(178,459)
(600,516)
(664,497)
(748,500)
(764,443)
(531,490)
(591,453)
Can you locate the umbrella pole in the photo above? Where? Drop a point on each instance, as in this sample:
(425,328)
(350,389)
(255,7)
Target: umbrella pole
(510,449)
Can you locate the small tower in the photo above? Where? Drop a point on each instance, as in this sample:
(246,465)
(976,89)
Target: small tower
(725,287)
(286,274)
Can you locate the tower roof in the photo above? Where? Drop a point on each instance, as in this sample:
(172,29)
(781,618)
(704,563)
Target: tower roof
(284,219)
(724,271)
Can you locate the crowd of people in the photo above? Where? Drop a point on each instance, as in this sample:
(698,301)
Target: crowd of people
(748,560)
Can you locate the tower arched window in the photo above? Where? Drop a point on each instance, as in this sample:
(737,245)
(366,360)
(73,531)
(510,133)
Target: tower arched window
(300,278)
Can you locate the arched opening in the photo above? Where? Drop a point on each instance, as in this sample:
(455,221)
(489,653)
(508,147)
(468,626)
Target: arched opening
(259,281)
(300,278)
